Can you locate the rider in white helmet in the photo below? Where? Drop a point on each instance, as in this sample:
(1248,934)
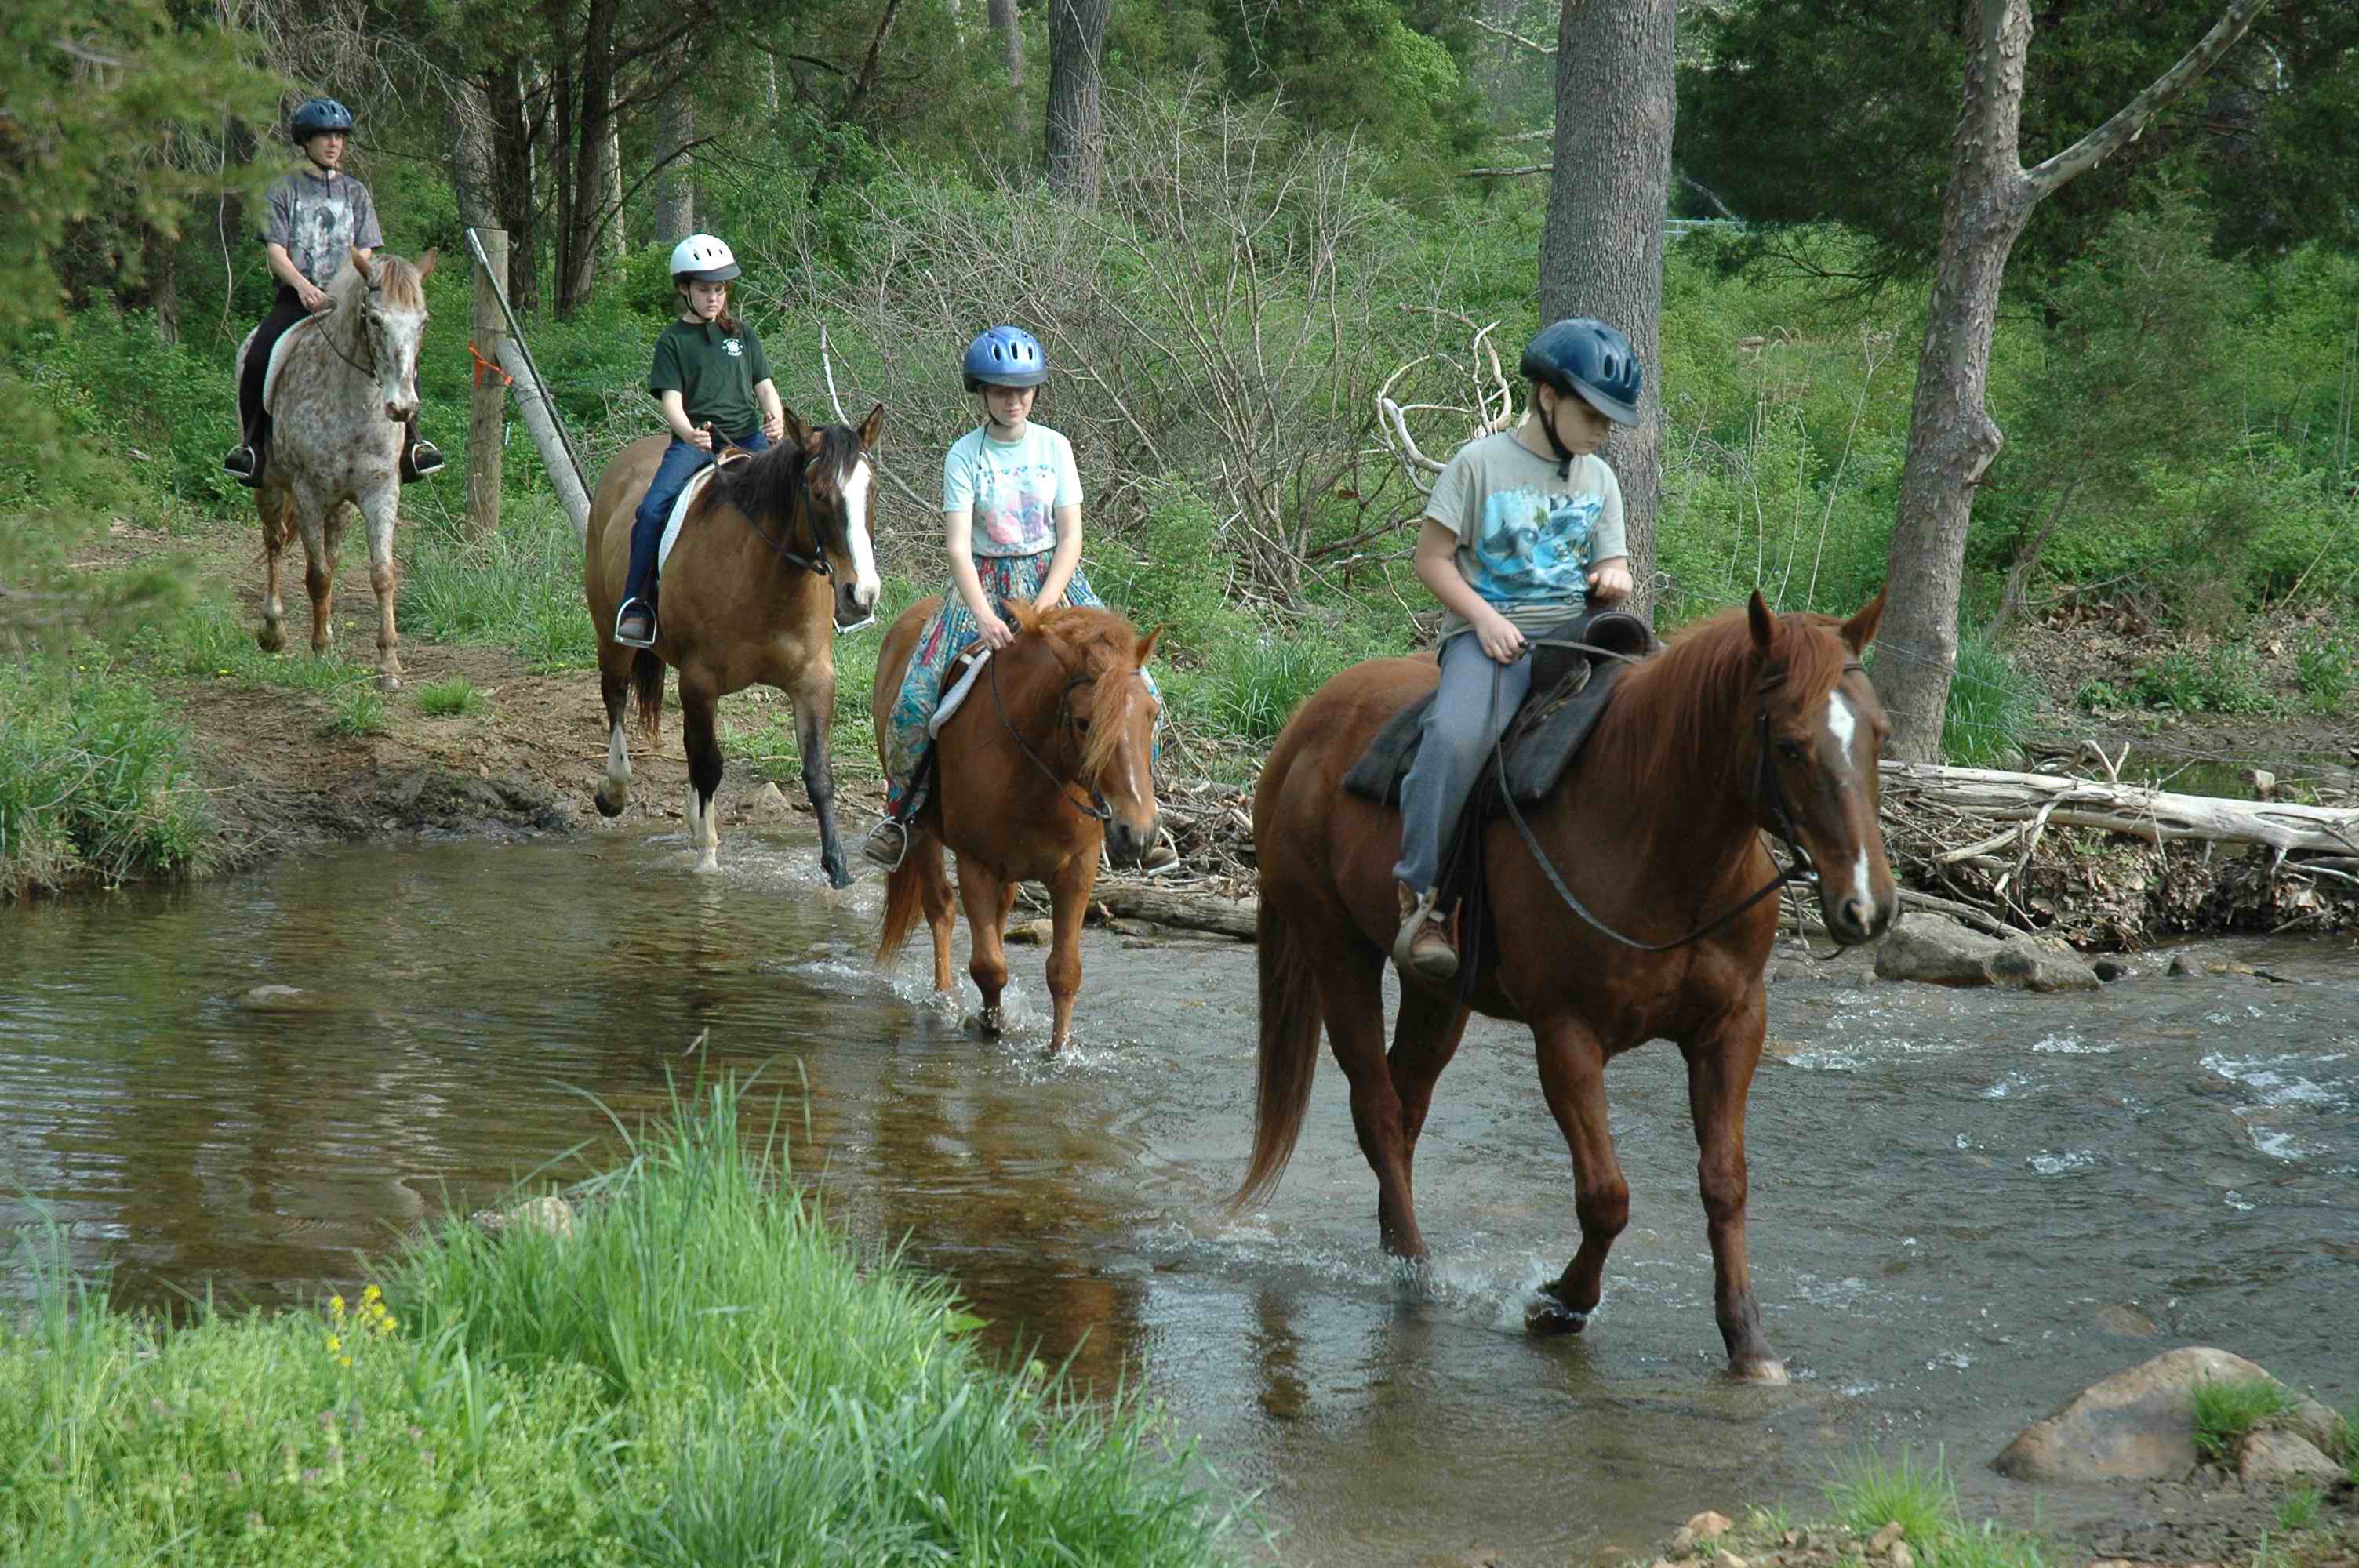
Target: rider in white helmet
(713,382)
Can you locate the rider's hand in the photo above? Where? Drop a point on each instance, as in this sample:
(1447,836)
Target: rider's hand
(1609,582)
(701,437)
(774,425)
(996,633)
(1499,637)
(314,297)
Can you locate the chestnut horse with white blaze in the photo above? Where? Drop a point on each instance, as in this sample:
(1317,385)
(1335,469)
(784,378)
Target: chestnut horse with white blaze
(774,553)
(1648,918)
(1047,761)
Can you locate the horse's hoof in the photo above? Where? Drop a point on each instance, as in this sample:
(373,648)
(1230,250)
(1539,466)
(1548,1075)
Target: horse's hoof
(839,875)
(611,806)
(388,683)
(986,1024)
(270,639)
(1545,1314)
(1766,1371)
(706,865)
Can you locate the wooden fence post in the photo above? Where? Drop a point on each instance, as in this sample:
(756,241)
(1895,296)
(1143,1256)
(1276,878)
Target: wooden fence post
(487,423)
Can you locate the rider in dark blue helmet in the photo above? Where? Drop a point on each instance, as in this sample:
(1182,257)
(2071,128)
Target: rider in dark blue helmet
(314,218)
(1522,533)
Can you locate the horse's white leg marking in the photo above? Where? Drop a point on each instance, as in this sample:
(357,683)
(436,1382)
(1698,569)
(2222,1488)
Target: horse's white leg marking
(381,508)
(703,841)
(618,758)
(865,587)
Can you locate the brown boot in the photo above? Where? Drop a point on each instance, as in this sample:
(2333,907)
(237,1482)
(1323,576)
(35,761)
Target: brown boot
(1423,947)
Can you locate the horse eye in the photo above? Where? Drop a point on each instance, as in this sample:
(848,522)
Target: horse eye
(1790,748)
(1082,725)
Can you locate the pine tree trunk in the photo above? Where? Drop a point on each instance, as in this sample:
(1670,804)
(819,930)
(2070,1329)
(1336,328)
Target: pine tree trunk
(1004,23)
(511,179)
(1602,246)
(159,271)
(676,186)
(1077,30)
(615,242)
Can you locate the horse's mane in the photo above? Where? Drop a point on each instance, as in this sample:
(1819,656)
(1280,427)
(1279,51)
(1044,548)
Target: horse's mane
(1102,644)
(764,485)
(396,278)
(1679,710)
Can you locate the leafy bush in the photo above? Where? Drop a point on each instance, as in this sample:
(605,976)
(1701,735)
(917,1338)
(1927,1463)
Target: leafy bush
(2325,673)
(2226,680)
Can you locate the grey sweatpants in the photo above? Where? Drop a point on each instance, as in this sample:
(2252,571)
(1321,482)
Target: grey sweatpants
(1459,732)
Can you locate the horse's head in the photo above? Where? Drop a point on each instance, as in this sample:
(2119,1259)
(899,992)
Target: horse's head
(392,321)
(839,484)
(1106,734)
(1820,729)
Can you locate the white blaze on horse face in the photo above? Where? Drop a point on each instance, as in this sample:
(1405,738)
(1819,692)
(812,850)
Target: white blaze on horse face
(854,486)
(1845,727)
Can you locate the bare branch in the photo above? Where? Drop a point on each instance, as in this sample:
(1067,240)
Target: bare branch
(2130,122)
(1532,44)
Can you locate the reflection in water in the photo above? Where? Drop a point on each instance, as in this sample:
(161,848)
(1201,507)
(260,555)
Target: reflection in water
(1959,1198)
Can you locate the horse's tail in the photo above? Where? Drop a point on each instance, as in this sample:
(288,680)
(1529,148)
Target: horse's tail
(904,901)
(648,685)
(1289,1051)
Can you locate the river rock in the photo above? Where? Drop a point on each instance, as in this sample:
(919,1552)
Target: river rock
(271,999)
(2111,970)
(549,1214)
(2270,1459)
(2138,1425)
(768,805)
(1709,1524)
(2178,969)
(2127,1322)
(1033,933)
(1930,947)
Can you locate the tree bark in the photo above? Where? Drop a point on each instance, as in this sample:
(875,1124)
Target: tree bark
(615,243)
(1951,439)
(160,273)
(1602,245)
(1076,126)
(2156,816)
(676,186)
(511,196)
(1004,23)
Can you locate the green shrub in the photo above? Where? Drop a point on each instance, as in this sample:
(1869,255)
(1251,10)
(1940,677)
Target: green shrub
(2325,675)
(519,589)
(94,782)
(2226,680)
(1992,707)
(454,698)
(2224,1410)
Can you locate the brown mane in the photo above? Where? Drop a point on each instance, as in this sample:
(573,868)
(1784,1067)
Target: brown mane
(1100,643)
(764,484)
(1681,709)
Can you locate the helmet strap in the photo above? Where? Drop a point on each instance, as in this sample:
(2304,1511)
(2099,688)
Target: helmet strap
(1564,454)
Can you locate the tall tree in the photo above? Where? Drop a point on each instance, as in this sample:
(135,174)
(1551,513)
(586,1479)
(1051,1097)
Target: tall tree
(674,184)
(1004,23)
(1602,245)
(1077,30)
(1951,439)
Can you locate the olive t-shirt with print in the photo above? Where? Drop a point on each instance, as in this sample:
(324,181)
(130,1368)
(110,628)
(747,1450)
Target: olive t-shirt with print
(318,219)
(714,372)
(1526,538)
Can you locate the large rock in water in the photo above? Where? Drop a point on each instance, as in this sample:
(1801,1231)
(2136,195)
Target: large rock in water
(2139,1425)
(1930,947)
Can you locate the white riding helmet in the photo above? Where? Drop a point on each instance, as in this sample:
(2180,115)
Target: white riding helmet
(701,258)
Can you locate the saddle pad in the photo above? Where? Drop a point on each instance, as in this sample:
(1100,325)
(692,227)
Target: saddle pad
(278,358)
(688,493)
(975,658)
(1546,733)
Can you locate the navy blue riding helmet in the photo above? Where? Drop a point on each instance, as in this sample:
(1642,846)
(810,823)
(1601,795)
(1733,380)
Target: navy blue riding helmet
(1582,356)
(316,115)
(1005,356)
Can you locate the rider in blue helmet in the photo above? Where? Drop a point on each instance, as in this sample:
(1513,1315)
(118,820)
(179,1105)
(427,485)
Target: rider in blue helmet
(315,217)
(1012,522)
(1522,534)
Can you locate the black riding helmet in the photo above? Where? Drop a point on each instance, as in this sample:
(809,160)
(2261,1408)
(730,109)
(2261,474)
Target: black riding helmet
(1582,356)
(315,116)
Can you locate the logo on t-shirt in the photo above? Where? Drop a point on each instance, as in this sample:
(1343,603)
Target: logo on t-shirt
(1533,545)
(732,346)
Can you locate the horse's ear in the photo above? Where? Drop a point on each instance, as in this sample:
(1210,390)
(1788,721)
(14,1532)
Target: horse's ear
(798,433)
(1764,623)
(1026,614)
(426,263)
(1860,629)
(872,426)
(1146,646)
(361,262)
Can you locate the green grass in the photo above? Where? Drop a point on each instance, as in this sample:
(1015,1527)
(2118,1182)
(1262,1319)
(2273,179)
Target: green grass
(360,710)
(702,1372)
(2325,673)
(95,785)
(2225,1410)
(1992,707)
(454,698)
(519,589)
(215,641)
(2300,1508)
(1870,1492)
(2226,680)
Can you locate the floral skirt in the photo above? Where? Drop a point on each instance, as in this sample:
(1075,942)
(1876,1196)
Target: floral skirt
(945,637)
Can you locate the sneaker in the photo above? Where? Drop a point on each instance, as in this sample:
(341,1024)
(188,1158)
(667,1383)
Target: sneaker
(244,462)
(887,845)
(636,626)
(423,460)
(1423,947)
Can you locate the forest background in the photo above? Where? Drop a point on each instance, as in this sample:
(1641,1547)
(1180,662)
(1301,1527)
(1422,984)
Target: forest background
(1233,223)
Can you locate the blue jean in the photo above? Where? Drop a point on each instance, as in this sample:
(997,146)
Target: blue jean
(679,464)
(1455,741)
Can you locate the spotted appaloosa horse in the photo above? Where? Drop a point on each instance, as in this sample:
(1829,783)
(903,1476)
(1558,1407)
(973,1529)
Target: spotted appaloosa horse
(772,556)
(1751,722)
(347,384)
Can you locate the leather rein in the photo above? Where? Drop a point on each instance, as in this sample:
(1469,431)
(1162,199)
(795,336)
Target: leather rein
(1097,805)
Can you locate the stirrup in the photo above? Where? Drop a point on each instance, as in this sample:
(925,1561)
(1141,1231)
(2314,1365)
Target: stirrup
(242,460)
(875,852)
(625,613)
(1421,916)
(425,458)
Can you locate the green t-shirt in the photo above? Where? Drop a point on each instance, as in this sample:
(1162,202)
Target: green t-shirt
(714,372)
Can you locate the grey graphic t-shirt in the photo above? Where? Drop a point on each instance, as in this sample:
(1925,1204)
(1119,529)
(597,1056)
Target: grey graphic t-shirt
(318,219)
(1526,538)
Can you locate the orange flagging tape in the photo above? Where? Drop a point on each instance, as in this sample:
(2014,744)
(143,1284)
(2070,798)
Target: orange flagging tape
(483,365)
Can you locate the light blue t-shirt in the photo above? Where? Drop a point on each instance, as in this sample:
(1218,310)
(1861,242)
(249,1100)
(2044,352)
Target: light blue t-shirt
(1526,538)
(1012,489)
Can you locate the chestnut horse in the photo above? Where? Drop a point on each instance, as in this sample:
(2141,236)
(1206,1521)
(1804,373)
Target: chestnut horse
(772,556)
(1749,722)
(347,382)
(1047,760)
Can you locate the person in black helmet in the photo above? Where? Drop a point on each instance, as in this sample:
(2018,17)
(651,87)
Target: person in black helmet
(315,217)
(1523,530)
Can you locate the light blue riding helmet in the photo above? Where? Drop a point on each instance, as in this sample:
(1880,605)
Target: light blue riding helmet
(1005,356)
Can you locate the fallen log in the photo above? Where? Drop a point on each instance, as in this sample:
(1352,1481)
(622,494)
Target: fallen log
(2156,816)
(1195,911)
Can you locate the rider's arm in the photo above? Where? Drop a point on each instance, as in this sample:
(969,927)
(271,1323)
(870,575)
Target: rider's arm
(1436,568)
(283,268)
(1068,556)
(1609,579)
(958,536)
(773,412)
(675,414)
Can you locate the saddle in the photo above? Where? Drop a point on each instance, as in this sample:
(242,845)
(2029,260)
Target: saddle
(1574,668)
(725,458)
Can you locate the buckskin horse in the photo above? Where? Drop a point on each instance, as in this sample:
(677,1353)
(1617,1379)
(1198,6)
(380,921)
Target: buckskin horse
(1047,760)
(772,555)
(347,381)
(1750,722)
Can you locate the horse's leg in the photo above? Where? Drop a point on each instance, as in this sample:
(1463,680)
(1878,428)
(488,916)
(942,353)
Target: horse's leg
(1425,1037)
(934,890)
(1069,901)
(320,527)
(985,897)
(275,505)
(381,509)
(814,697)
(698,711)
(1719,1077)
(1573,1077)
(1351,996)
(615,690)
